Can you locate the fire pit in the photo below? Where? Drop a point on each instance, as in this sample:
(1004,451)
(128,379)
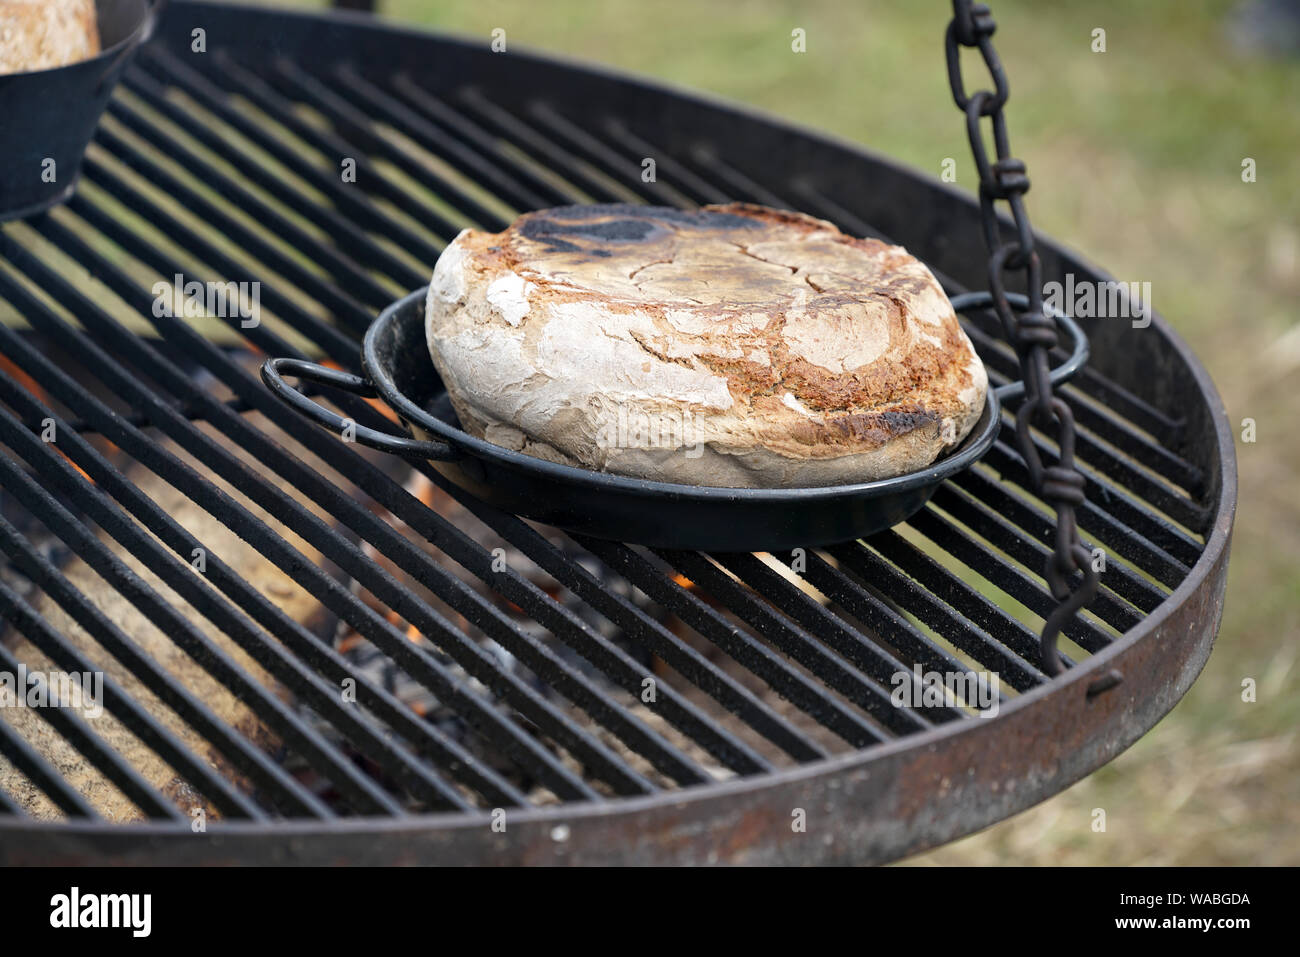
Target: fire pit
(310,653)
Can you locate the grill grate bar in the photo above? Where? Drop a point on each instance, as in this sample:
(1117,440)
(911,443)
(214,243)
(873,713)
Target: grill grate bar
(634,146)
(138,720)
(873,660)
(322,178)
(95,554)
(352,279)
(331,148)
(359,124)
(792,640)
(8,806)
(293,634)
(1137,549)
(347,233)
(1010,579)
(188,411)
(1102,423)
(933,579)
(339,600)
(457,140)
(1099,461)
(1016,667)
(615,663)
(650,633)
(411,774)
(476,661)
(180,579)
(76,732)
(1124,522)
(991,526)
(39,771)
(827,208)
(340,303)
(328,337)
(736,182)
(576,139)
(445,131)
(594,182)
(1167,430)
(426,785)
(877,615)
(1119,578)
(731,640)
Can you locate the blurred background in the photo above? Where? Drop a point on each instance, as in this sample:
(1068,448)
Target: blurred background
(1136,156)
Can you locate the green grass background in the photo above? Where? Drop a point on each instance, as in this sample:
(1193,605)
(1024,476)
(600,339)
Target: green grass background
(1135,156)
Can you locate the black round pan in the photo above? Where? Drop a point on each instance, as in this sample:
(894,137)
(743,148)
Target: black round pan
(399,371)
(47,117)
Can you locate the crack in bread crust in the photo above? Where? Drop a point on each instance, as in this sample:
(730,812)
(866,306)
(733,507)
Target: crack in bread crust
(798,355)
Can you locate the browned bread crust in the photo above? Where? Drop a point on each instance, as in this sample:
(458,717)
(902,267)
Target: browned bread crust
(734,345)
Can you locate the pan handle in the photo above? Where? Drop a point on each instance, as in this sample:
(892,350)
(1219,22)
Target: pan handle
(1079,349)
(273,373)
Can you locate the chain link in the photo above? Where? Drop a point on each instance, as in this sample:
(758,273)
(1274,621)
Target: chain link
(1069,572)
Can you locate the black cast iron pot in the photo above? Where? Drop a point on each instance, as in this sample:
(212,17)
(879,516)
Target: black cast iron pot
(661,514)
(47,117)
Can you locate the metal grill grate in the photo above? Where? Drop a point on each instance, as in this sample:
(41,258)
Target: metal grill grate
(226,167)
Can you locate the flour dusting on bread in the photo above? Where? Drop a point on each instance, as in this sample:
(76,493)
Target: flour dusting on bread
(42,34)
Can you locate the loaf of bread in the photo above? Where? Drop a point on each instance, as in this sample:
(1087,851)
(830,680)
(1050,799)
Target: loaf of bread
(40,34)
(734,346)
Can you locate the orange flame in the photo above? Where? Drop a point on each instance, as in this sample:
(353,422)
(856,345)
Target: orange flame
(27,382)
(379,405)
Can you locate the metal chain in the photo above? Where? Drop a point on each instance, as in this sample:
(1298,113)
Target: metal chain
(1069,570)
